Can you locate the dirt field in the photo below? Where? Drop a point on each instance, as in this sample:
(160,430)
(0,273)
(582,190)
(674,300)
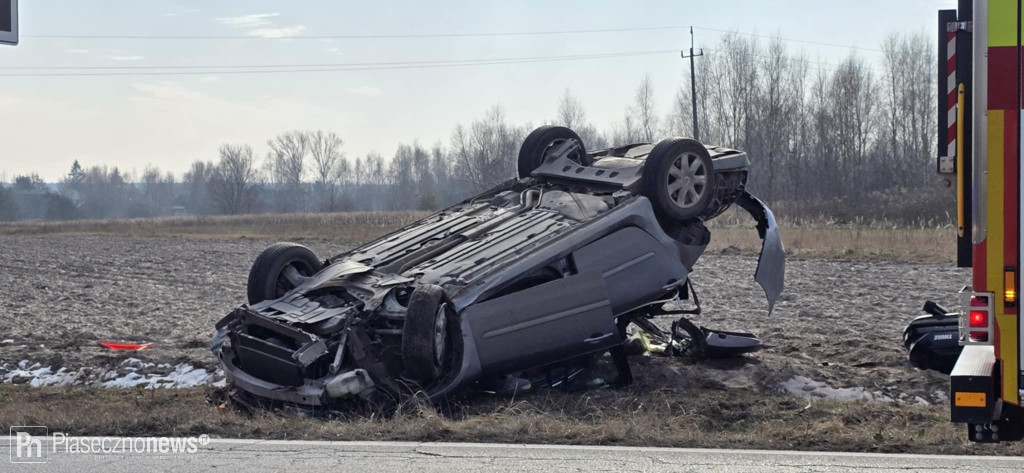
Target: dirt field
(838,322)
(834,336)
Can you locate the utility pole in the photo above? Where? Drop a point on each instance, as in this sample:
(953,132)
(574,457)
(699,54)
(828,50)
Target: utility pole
(693,84)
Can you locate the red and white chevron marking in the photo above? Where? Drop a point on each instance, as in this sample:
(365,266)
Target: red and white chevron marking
(951,93)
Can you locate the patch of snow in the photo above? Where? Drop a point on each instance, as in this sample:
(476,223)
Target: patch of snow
(36,376)
(6,341)
(129,373)
(183,376)
(810,389)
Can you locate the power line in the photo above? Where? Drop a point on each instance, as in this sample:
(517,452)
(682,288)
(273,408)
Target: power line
(790,40)
(342,65)
(381,66)
(369,36)
(445,35)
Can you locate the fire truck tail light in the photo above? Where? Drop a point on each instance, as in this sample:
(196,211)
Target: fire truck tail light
(978,319)
(975,324)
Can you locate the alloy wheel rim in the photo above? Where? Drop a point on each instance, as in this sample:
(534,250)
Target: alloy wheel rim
(440,333)
(687,180)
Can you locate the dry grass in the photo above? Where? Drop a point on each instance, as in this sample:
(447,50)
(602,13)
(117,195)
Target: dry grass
(848,242)
(733,232)
(825,237)
(683,418)
(342,227)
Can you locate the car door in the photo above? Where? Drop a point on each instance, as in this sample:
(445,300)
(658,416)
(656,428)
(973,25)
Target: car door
(544,324)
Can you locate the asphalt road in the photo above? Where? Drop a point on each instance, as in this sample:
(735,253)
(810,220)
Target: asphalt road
(254,456)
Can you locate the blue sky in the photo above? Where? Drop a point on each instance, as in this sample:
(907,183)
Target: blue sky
(169,121)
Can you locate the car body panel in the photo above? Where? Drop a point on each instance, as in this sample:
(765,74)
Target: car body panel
(554,321)
(771,263)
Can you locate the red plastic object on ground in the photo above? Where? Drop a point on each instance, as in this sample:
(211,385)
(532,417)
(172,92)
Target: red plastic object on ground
(126,346)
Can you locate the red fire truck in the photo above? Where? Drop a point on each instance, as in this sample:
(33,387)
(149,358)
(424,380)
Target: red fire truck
(980,123)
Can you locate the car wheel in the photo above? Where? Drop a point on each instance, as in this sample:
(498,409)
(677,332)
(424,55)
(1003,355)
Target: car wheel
(679,178)
(425,343)
(269,276)
(541,141)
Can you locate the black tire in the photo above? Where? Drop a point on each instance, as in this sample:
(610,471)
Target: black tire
(266,279)
(425,334)
(538,142)
(696,178)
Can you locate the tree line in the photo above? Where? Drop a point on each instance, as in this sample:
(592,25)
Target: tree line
(823,138)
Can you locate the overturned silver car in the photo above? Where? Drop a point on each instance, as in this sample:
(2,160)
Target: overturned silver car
(545,268)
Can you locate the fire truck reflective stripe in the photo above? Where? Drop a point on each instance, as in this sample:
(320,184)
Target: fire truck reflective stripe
(969,399)
(1002,23)
(1011,126)
(994,258)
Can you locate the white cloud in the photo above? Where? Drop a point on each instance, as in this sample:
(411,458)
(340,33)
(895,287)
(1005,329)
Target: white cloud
(128,58)
(77,51)
(282,32)
(254,20)
(261,25)
(366,90)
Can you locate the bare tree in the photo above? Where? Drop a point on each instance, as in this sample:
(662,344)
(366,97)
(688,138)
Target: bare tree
(774,112)
(908,104)
(403,178)
(325,150)
(645,111)
(731,86)
(485,153)
(287,160)
(853,110)
(572,115)
(232,185)
(376,182)
(570,111)
(626,132)
(157,191)
(196,181)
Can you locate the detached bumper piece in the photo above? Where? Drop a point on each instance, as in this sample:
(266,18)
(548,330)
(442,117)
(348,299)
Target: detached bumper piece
(974,398)
(931,340)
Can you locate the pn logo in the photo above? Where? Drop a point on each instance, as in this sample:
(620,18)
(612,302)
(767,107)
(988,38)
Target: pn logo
(27,443)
